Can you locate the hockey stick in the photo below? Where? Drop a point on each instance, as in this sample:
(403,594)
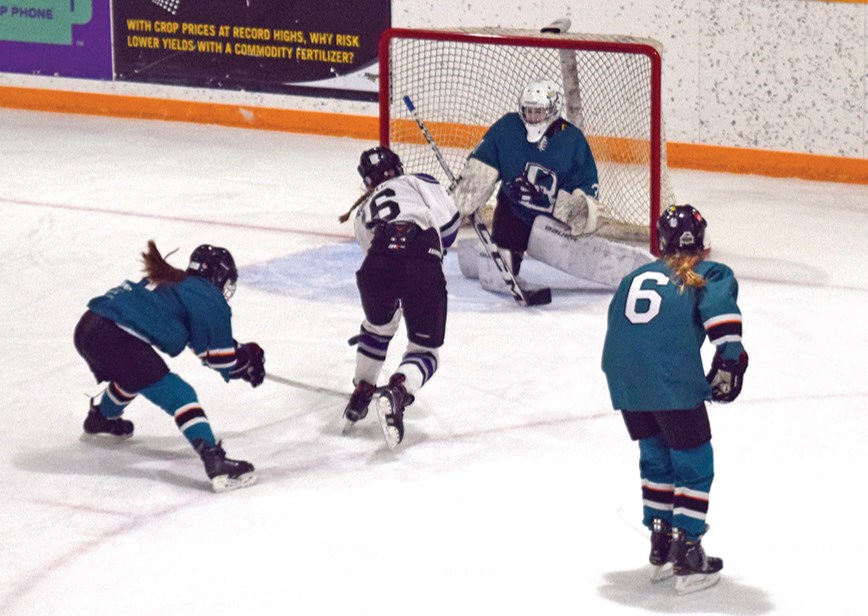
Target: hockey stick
(319,390)
(529,297)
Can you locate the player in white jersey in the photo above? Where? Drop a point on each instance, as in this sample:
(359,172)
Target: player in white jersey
(403,227)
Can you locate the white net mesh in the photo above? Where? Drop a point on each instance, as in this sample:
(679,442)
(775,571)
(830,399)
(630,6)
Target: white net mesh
(460,87)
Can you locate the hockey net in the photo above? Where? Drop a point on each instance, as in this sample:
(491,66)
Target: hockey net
(462,81)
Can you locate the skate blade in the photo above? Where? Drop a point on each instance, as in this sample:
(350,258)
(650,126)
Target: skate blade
(686,584)
(104,437)
(662,572)
(348,427)
(389,432)
(225,483)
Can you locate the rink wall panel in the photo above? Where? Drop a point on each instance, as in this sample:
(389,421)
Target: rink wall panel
(771,87)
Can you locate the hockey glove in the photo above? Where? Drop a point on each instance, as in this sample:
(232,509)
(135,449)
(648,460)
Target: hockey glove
(521,191)
(577,210)
(249,364)
(726,377)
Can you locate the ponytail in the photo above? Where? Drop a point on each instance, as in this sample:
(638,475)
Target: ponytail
(158,269)
(682,265)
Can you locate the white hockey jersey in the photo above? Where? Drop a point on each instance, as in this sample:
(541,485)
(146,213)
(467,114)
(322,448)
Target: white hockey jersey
(416,198)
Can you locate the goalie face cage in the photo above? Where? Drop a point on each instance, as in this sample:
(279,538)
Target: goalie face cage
(461,82)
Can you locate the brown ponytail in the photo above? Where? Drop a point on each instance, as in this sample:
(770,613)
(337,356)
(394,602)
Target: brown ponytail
(157,269)
(682,265)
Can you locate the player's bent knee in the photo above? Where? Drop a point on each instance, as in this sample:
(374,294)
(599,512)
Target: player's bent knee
(170,393)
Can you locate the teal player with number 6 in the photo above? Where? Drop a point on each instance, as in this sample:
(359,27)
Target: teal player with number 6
(658,320)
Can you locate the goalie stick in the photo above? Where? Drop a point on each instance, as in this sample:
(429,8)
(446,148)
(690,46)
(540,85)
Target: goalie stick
(525,297)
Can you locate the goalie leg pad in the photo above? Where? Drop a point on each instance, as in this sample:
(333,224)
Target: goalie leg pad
(470,253)
(591,258)
(491,279)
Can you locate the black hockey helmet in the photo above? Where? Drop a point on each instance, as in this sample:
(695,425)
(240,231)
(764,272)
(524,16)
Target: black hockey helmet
(378,165)
(215,265)
(681,228)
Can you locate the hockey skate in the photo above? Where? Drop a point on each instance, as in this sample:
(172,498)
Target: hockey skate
(96,423)
(390,409)
(660,556)
(357,408)
(225,474)
(693,569)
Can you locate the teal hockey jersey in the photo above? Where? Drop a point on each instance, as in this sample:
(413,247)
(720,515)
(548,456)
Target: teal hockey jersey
(562,160)
(190,313)
(651,354)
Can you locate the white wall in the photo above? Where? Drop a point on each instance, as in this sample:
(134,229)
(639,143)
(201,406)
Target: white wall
(768,74)
(788,75)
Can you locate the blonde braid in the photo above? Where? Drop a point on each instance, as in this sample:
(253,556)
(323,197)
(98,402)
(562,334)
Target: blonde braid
(682,265)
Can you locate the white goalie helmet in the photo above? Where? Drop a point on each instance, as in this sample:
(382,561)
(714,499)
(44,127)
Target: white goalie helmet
(540,104)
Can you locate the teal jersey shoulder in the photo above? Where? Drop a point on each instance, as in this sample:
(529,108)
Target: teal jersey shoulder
(651,354)
(171,316)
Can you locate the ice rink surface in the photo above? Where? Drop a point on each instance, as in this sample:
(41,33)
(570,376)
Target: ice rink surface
(516,490)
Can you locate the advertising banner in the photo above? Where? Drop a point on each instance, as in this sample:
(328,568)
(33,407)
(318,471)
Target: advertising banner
(327,48)
(64,38)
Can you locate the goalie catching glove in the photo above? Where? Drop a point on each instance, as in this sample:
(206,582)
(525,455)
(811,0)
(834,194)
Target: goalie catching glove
(726,377)
(249,364)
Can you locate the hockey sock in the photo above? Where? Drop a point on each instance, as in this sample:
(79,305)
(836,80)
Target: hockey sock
(694,472)
(193,424)
(418,365)
(114,400)
(178,399)
(372,347)
(658,487)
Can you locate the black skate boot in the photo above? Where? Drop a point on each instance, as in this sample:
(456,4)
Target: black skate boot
(693,569)
(359,400)
(225,474)
(390,409)
(661,553)
(96,423)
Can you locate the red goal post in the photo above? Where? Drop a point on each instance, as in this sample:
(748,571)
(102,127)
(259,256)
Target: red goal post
(461,81)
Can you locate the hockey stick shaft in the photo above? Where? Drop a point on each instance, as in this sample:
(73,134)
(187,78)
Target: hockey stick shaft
(525,298)
(437,153)
(299,385)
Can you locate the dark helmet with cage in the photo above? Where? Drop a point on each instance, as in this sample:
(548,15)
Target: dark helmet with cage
(215,265)
(378,165)
(681,228)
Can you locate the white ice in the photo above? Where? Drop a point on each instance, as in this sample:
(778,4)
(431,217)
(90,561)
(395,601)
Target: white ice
(516,490)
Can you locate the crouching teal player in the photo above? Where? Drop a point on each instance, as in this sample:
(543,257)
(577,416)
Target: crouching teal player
(658,319)
(169,309)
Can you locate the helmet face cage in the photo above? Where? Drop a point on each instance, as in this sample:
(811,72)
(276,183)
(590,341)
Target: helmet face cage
(215,265)
(378,165)
(539,105)
(681,228)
